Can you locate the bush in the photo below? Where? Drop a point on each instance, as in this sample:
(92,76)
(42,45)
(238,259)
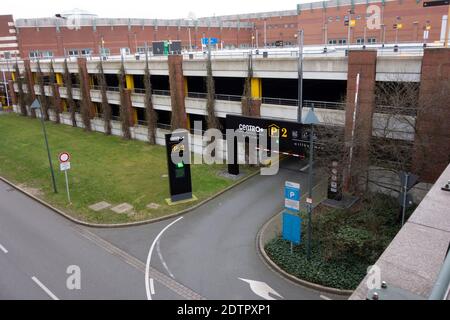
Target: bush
(345,242)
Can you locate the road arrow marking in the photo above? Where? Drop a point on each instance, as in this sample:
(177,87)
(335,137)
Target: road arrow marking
(3,249)
(262,289)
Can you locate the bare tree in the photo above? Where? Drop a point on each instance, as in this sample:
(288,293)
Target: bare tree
(54,87)
(152,116)
(69,87)
(22,97)
(85,105)
(106,108)
(212,121)
(41,84)
(247,96)
(124,112)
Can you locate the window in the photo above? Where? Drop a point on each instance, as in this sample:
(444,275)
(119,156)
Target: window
(330,19)
(34,54)
(47,54)
(360,41)
(372,40)
(332,41)
(86,52)
(342,41)
(73,53)
(338,18)
(124,51)
(105,52)
(141,50)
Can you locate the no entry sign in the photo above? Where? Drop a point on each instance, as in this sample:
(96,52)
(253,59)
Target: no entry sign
(64,157)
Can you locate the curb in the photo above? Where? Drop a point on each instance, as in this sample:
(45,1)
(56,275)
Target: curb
(129,224)
(274,267)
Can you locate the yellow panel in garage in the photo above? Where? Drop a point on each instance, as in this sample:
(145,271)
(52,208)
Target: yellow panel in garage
(129,81)
(59,79)
(256,88)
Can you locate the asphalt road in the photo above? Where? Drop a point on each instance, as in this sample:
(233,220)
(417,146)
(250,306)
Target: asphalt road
(41,245)
(211,248)
(202,255)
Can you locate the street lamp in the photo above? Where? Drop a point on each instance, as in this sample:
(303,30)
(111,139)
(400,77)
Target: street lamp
(300,37)
(35,106)
(312,120)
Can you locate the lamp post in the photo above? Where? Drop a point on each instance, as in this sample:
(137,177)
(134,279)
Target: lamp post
(312,120)
(300,75)
(35,106)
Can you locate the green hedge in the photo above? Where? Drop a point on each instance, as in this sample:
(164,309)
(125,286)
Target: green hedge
(345,243)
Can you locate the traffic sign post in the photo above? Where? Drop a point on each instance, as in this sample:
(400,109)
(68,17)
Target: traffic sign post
(407,181)
(292,196)
(292,222)
(64,165)
(292,229)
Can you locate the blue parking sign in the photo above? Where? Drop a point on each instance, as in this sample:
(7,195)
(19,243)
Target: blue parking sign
(292,228)
(292,196)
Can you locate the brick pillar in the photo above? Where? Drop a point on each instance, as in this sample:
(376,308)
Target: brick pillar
(12,93)
(432,141)
(177,94)
(57,98)
(362,62)
(256,91)
(129,106)
(86,82)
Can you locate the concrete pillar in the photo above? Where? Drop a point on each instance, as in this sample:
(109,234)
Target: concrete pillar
(86,90)
(177,92)
(359,133)
(432,140)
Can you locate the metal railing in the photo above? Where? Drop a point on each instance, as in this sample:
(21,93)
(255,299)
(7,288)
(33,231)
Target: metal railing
(441,288)
(324,104)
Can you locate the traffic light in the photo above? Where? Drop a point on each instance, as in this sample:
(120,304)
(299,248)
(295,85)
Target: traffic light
(352,23)
(398,26)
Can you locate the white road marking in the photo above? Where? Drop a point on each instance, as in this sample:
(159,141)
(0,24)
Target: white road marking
(304,168)
(149,259)
(3,249)
(325,297)
(47,291)
(158,250)
(262,289)
(152,286)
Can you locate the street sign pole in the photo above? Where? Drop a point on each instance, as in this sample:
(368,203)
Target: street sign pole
(310,182)
(48,153)
(405,193)
(67,187)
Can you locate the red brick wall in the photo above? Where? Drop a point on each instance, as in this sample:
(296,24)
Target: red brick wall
(177,93)
(432,143)
(362,62)
(47,38)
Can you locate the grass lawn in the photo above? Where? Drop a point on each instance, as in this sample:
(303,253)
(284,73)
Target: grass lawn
(104,168)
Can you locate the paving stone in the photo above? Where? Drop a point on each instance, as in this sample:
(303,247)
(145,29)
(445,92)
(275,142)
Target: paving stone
(122,208)
(100,206)
(153,206)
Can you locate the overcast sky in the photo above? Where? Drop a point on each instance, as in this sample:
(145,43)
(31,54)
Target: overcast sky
(144,8)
